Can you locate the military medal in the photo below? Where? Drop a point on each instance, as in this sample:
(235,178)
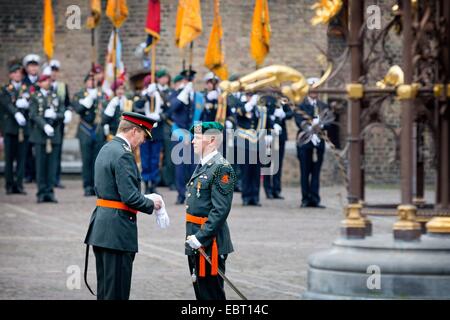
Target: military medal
(199,184)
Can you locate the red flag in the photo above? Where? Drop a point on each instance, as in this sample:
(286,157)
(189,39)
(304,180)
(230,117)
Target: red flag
(153,23)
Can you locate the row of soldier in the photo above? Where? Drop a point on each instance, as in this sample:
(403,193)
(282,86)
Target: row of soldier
(36,106)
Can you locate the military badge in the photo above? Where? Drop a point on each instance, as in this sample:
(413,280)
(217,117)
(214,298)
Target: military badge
(225,178)
(126,147)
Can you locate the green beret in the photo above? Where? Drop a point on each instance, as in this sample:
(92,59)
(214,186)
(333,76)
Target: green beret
(210,127)
(178,77)
(161,73)
(14,67)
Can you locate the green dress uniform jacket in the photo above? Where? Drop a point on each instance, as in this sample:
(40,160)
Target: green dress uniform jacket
(117,178)
(8,97)
(210,194)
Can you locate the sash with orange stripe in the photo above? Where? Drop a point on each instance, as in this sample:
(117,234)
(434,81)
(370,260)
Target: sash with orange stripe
(214,254)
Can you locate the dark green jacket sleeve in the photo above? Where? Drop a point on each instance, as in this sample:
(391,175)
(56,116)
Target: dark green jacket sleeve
(5,100)
(127,181)
(221,197)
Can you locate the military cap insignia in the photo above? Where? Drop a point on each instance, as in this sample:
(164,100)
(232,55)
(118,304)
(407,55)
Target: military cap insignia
(225,179)
(126,147)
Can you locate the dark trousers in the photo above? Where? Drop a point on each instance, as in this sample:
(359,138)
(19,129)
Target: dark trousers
(208,287)
(114,269)
(46,164)
(272,183)
(310,172)
(15,151)
(168,169)
(58,169)
(89,151)
(250,182)
(30,163)
(150,152)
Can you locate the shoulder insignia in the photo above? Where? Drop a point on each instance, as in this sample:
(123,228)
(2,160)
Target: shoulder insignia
(126,147)
(225,178)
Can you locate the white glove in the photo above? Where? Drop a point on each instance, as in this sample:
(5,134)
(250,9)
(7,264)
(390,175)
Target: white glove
(49,131)
(162,218)
(87,102)
(22,103)
(50,113)
(106,130)
(193,242)
(212,95)
(251,103)
(279,112)
(21,121)
(184,95)
(67,116)
(151,89)
(277,128)
(315,140)
(228,124)
(268,139)
(92,93)
(112,105)
(315,121)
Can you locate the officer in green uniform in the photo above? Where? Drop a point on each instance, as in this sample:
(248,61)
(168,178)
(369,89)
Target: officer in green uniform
(113,226)
(47,114)
(89,103)
(209,198)
(14,102)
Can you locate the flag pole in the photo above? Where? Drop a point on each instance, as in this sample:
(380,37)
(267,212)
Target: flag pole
(152,98)
(191,58)
(115,57)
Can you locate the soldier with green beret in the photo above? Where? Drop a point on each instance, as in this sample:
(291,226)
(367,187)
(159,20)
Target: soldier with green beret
(209,198)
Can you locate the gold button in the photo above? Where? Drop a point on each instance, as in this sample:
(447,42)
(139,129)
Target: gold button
(189,194)
(192,183)
(187,207)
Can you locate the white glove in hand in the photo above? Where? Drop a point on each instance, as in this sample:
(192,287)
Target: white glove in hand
(112,105)
(49,131)
(277,128)
(251,103)
(21,121)
(92,93)
(268,139)
(50,113)
(151,89)
(279,112)
(22,103)
(106,130)
(87,102)
(67,116)
(162,218)
(212,95)
(193,242)
(315,121)
(228,124)
(315,139)
(184,95)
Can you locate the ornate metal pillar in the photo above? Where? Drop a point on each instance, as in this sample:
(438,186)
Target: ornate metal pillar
(354,127)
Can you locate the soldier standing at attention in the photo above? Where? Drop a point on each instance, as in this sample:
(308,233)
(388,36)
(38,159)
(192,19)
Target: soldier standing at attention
(113,226)
(62,91)
(89,103)
(310,155)
(14,100)
(47,114)
(31,66)
(209,198)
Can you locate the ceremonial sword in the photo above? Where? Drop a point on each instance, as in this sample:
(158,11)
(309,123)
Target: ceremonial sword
(224,277)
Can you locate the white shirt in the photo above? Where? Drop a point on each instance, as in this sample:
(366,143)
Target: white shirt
(121,136)
(312,101)
(208,157)
(16,84)
(44,92)
(32,78)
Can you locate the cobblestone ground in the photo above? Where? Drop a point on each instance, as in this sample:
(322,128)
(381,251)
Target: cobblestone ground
(38,243)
